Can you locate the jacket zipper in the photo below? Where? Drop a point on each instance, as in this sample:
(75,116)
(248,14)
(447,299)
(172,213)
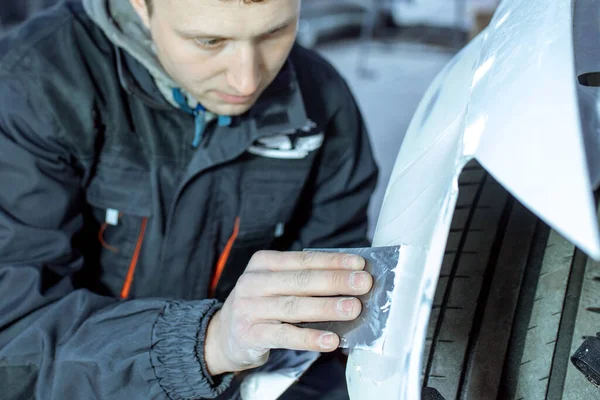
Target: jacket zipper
(103,243)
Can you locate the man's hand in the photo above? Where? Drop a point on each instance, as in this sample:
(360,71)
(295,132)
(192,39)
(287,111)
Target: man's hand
(276,290)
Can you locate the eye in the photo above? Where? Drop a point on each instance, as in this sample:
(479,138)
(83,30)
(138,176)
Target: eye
(275,32)
(209,44)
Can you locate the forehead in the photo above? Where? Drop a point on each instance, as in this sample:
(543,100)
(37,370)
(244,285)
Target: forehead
(227,17)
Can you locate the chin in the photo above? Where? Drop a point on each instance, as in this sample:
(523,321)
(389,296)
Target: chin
(232,110)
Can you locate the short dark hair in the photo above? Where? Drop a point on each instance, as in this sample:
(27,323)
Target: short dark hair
(149,4)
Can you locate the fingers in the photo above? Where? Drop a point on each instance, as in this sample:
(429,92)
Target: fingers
(283,288)
(304,283)
(284,336)
(290,261)
(306,309)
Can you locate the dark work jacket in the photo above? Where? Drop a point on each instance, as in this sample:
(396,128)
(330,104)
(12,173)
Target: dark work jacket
(114,228)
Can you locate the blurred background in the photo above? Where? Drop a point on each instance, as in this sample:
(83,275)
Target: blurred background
(389,51)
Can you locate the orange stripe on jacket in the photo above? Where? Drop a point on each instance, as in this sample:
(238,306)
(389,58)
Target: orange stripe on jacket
(134,261)
(223,258)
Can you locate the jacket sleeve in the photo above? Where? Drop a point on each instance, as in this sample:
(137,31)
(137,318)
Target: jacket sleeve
(58,341)
(343,182)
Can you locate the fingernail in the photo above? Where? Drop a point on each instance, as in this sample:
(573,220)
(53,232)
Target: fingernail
(346,306)
(326,341)
(351,261)
(358,280)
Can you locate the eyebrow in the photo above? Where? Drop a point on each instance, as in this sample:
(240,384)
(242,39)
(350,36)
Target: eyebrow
(201,34)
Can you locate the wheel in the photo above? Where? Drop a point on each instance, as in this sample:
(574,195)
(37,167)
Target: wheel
(513,302)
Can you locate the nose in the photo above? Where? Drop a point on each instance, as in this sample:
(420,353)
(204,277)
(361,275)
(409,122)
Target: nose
(243,74)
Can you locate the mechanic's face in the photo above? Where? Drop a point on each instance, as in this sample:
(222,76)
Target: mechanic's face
(224,52)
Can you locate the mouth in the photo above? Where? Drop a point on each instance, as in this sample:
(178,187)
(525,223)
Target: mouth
(232,99)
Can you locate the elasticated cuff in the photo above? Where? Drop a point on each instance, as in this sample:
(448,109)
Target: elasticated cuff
(177,353)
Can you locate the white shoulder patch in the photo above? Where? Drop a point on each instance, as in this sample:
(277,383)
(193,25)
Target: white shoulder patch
(296,144)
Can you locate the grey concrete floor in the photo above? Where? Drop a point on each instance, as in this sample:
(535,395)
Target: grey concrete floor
(401,73)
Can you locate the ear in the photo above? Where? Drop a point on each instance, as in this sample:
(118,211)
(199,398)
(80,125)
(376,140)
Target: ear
(141,8)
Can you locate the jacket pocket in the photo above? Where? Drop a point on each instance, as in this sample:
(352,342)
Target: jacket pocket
(265,208)
(121,205)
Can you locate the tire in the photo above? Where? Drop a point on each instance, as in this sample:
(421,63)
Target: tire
(513,302)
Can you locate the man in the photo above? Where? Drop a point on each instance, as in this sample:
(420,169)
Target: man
(149,150)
